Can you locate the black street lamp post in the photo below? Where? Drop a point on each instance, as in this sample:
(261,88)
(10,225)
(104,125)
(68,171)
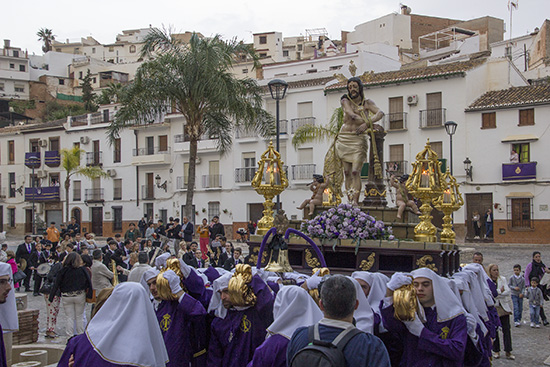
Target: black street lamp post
(450,127)
(33,160)
(277,88)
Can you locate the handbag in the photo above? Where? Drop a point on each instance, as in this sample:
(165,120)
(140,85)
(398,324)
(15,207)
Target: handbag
(19,276)
(46,287)
(501,312)
(93,299)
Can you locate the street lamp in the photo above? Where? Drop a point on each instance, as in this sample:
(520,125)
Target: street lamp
(450,127)
(159,185)
(277,88)
(35,161)
(468,168)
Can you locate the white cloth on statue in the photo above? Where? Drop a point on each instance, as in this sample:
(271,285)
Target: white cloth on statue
(8,310)
(293,308)
(447,305)
(378,286)
(364,317)
(114,326)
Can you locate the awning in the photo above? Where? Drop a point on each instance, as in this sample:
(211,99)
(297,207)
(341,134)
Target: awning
(520,138)
(520,195)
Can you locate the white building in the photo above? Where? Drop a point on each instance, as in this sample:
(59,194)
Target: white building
(14,73)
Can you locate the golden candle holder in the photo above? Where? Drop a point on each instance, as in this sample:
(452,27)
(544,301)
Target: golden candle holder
(269,181)
(449,202)
(426,183)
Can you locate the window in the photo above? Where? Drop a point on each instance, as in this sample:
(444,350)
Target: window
(149,210)
(437,147)
(285,53)
(15,53)
(150,145)
(54,144)
(263,41)
(263,54)
(396,153)
(117,189)
(77,190)
(117,151)
(11,152)
(21,67)
(526,117)
(61,81)
(12,66)
(395,116)
(93,50)
(305,155)
(19,88)
(117,218)
(434,113)
(213,209)
(94,80)
(33,145)
(185,174)
(163,143)
(521,212)
(523,151)
(11,217)
(245,71)
(489,120)
(132,49)
(11,179)
(80,75)
(163,214)
(111,49)
(305,109)
(336,67)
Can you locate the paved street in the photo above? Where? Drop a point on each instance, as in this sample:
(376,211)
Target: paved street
(530,345)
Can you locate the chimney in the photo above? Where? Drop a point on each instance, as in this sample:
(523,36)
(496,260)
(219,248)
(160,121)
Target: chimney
(405,10)
(6,43)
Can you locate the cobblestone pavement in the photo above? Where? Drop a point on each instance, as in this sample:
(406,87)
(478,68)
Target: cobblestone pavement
(530,346)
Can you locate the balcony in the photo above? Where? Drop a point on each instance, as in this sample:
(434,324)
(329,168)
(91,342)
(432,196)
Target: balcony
(243,175)
(102,117)
(46,193)
(302,171)
(299,122)
(205,145)
(52,158)
(399,168)
(93,196)
(519,171)
(242,133)
(147,192)
(32,159)
(395,121)
(433,118)
(94,159)
(181,183)
(151,155)
(212,181)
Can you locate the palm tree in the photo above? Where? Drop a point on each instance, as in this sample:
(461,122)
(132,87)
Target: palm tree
(46,35)
(70,161)
(332,168)
(194,79)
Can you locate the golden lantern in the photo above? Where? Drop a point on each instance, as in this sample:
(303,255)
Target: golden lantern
(269,181)
(450,201)
(426,183)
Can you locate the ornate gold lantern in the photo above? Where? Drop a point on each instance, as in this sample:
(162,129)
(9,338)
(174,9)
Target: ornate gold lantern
(450,201)
(426,183)
(269,181)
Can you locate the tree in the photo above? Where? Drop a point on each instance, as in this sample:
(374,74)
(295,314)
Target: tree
(46,35)
(332,168)
(114,93)
(70,161)
(87,93)
(194,79)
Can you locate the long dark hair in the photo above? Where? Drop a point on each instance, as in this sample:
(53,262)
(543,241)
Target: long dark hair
(72,260)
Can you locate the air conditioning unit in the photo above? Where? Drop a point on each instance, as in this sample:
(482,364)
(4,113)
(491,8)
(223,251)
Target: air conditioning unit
(111,172)
(43,143)
(41,174)
(84,139)
(412,100)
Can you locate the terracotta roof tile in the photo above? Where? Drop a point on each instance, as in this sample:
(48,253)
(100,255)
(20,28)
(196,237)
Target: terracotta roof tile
(512,97)
(413,74)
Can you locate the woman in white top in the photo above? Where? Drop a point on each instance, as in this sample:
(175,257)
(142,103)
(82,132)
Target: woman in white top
(503,304)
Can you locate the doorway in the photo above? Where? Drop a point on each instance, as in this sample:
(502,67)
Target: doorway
(28,220)
(477,202)
(76,213)
(97,221)
(1,218)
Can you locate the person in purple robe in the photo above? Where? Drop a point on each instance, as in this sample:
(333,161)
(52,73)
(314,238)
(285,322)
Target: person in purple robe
(243,306)
(438,334)
(182,320)
(8,309)
(293,308)
(113,328)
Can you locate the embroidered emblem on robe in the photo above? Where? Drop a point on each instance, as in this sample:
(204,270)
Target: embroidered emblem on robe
(165,322)
(245,324)
(444,332)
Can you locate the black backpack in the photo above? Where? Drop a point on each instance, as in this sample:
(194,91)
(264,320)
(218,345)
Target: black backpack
(323,354)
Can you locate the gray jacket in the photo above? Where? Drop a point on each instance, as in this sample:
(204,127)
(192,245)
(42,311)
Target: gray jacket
(534,295)
(101,276)
(516,282)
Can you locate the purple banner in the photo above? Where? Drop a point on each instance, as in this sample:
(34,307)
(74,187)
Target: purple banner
(51,158)
(519,171)
(47,193)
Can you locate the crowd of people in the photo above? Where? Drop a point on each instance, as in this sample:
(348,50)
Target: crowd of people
(211,308)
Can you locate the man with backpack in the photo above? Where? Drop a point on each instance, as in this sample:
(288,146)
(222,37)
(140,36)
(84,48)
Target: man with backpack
(335,341)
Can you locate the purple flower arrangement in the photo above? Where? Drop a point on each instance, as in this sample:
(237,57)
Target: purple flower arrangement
(346,222)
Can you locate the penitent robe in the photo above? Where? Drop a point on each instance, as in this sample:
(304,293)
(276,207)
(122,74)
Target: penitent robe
(84,354)
(272,353)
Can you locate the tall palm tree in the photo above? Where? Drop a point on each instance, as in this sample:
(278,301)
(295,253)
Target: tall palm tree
(194,79)
(332,168)
(70,161)
(46,35)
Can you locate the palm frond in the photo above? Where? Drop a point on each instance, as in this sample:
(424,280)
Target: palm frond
(310,133)
(92,172)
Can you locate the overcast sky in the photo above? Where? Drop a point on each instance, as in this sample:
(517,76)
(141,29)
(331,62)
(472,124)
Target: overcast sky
(104,19)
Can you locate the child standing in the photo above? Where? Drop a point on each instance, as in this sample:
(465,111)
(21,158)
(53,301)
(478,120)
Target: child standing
(534,295)
(517,286)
